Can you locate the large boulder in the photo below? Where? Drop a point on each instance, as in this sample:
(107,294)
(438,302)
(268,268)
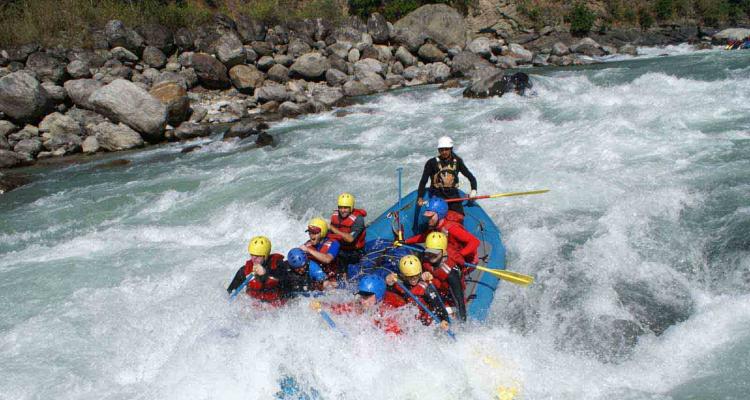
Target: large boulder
(430,53)
(329,96)
(22,98)
(80,90)
(78,69)
(560,49)
(229,50)
(587,46)
(335,77)
(124,101)
(211,72)
(29,147)
(190,130)
(498,84)
(154,57)
(377,27)
(157,36)
(278,73)
(312,66)
(251,29)
(439,22)
(120,36)
(374,82)
(10,159)
(246,78)
(272,91)
(174,96)
(481,46)
(368,65)
(46,67)
(407,59)
(466,62)
(437,72)
(356,88)
(520,53)
(111,137)
(298,47)
(732,34)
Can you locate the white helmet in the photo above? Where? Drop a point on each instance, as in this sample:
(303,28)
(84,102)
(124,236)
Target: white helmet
(445,142)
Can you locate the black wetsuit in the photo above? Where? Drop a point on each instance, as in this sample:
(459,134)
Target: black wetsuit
(432,167)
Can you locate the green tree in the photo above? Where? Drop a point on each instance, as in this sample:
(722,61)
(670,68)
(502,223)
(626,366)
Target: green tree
(581,19)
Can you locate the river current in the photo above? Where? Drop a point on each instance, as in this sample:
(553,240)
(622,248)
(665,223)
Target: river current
(112,279)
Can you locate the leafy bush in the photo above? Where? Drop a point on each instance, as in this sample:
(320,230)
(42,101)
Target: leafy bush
(364,8)
(395,9)
(581,20)
(645,19)
(664,9)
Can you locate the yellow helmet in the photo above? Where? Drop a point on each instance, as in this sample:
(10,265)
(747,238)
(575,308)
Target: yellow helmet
(410,266)
(319,223)
(437,241)
(259,246)
(346,200)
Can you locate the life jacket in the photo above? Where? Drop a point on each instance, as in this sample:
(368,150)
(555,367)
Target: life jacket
(330,269)
(447,175)
(345,226)
(382,320)
(445,226)
(265,288)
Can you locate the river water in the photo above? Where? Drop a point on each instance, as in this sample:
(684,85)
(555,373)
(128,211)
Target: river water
(112,278)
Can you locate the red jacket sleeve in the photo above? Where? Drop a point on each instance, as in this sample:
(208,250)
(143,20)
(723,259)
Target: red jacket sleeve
(416,238)
(471,243)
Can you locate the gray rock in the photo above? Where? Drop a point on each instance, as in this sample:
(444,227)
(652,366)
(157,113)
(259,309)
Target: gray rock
(154,57)
(244,129)
(297,48)
(413,72)
(118,137)
(411,39)
(184,40)
(46,67)
(199,114)
(506,62)
(278,73)
(340,49)
(123,55)
(246,78)
(353,55)
(439,22)
(230,51)
(251,29)
(22,98)
(158,36)
(466,62)
(28,132)
(328,96)
(120,36)
(271,91)
(21,53)
(264,139)
(174,96)
(211,73)
(265,63)
(587,46)
(392,80)
(406,58)
(90,145)
(78,69)
(369,52)
(377,27)
(430,53)
(540,60)
(481,46)
(385,53)
(283,59)
(62,143)
(312,66)
(4,145)
(356,88)
(338,63)
(32,147)
(59,124)
(335,77)
(190,77)
(521,55)
(123,101)
(190,130)
(262,49)
(609,50)
(80,90)
(437,72)
(628,49)
(6,128)
(374,82)
(498,84)
(731,34)
(56,93)
(250,55)
(397,68)
(10,159)
(290,109)
(560,49)
(368,65)
(85,118)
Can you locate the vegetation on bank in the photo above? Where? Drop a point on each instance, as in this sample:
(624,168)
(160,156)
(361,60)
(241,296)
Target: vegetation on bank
(69,22)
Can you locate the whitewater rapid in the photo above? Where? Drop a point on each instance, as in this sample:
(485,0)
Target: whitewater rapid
(112,278)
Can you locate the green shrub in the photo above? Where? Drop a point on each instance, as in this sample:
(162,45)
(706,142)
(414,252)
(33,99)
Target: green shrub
(364,8)
(645,19)
(326,9)
(395,9)
(581,20)
(664,9)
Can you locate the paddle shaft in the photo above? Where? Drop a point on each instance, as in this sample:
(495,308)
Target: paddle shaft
(242,286)
(512,277)
(494,196)
(423,307)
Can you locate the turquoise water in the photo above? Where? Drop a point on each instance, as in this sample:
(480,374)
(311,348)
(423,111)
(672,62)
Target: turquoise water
(112,278)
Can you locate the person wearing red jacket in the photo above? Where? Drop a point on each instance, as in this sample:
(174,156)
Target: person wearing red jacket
(445,266)
(416,282)
(348,228)
(322,249)
(372,299)
(265,267)
(460,240)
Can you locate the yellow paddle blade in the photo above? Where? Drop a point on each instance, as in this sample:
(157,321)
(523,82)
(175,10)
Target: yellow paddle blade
(519,193)
(512,277)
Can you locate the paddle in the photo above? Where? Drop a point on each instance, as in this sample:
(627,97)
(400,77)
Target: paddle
(242,286)
(440,300)
(423,307)
(327,318)
(494,196)
(512,277)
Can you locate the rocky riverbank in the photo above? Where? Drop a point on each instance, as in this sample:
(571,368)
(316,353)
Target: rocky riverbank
(148,85)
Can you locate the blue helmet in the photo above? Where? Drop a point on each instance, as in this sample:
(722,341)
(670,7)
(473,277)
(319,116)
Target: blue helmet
(372,284)
(438,206)
(296,258)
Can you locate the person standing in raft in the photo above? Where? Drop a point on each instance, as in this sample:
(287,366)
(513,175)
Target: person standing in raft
(348,228)
(321,249)
(265,267)
(442,171)
(446,266)
(372,298)
(299,274)
(416,281)
(460,240)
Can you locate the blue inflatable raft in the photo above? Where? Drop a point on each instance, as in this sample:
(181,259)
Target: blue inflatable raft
(480,286)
